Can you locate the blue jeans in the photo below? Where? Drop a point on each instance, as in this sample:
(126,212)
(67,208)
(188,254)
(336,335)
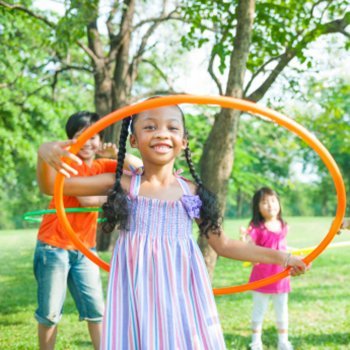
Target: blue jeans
(55,269)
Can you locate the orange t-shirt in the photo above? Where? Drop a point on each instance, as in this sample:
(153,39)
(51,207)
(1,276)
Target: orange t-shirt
(84,224)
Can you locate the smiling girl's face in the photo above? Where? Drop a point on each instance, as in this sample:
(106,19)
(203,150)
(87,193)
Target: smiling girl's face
(269,207)
(159,135)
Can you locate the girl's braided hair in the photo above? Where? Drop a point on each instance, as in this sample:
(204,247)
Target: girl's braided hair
(116,209)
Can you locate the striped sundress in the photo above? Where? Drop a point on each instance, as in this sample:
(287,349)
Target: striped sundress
(159,293)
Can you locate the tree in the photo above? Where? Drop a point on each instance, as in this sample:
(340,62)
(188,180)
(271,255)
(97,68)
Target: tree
(281,32)
(32,108)
(110,59)
(49,59)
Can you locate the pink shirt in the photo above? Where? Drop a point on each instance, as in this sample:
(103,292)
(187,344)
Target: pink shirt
(275,240)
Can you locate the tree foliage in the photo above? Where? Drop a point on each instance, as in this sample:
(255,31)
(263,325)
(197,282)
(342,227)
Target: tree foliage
(34,107)
(329,117)
(282,31)
(53,65)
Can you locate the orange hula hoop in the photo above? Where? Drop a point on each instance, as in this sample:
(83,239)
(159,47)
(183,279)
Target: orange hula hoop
(224,102)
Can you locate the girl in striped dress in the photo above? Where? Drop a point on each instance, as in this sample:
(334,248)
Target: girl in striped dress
(159,294)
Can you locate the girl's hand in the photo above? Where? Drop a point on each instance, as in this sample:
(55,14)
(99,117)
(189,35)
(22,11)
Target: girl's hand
(108,150)
(133,161)
(345,224)
(298,267)
(52,153)
(244,235)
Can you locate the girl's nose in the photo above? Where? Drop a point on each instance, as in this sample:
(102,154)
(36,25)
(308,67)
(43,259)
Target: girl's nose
(161,134)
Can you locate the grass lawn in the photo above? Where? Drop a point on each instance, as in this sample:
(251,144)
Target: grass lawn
(319,307)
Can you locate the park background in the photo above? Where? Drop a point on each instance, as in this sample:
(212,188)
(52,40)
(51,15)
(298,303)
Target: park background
(58,57)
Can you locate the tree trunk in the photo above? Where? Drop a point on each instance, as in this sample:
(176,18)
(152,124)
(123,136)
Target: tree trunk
(103,92)
(121,86)
(218,154)
(240,201)
(112,84)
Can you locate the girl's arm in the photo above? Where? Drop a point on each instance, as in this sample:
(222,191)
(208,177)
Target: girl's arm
(50,162)
(238,250)
(92,201)
(97,185)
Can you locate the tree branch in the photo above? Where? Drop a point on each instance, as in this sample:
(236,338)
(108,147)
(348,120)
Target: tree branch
(29,12)
(239,56)
(88,51)
(74,67)
(95,46)
(142,47)
(109,25)
(258,71)
(11,83)
(212,74)
(28,95)
(170,15)
(144,40)
(125,25)
(161,73)
(52,25)
(345,33)
(312,14)
(336,26)
(63,69)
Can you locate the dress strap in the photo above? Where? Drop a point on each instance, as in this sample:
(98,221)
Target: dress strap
(183,182)
(135,181)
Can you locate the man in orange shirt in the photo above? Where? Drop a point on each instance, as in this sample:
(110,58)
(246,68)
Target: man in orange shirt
(57,264)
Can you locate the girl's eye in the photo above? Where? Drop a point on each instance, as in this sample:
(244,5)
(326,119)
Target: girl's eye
(149,127)
(174,128)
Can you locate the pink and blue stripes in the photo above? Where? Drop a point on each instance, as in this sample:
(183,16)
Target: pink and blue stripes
(159,294)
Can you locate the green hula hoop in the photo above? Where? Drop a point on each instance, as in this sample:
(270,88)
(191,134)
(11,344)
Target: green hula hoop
(32,216)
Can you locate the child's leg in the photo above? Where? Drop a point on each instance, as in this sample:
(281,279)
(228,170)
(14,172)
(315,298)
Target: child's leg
(260,302)
(84,283)
(95,331)
(51,270)
(281,310)
(47,337)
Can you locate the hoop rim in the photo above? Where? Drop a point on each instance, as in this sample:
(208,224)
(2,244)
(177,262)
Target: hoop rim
(223,102)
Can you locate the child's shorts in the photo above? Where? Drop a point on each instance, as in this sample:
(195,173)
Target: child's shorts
(54,269)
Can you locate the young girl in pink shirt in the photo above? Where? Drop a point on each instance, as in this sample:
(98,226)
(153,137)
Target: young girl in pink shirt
(268,229)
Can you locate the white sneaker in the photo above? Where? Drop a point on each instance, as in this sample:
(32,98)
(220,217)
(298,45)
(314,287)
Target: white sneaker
(256,345)
(286,345)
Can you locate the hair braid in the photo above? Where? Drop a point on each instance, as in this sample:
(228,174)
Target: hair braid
(210,213)
(115,210)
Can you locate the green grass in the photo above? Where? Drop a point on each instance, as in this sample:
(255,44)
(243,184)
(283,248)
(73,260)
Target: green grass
(319,306)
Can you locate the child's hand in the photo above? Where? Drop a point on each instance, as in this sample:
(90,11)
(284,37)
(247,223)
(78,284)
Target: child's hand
(52,152)
(298,267)
(345,224)
(244,235)
(108,150)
